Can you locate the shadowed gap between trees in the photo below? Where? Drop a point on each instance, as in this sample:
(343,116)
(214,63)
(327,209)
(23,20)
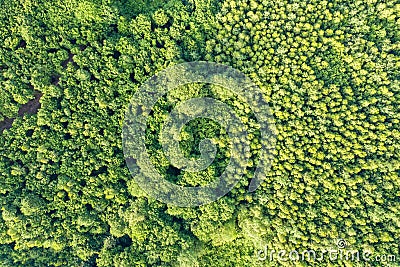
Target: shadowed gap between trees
(31,107)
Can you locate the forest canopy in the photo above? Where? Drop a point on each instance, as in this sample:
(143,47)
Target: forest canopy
(330,71)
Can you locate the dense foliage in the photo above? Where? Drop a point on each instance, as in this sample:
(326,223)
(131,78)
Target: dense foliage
(330,70)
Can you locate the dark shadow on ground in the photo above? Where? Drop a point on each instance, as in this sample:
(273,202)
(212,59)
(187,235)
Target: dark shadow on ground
(30,108)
